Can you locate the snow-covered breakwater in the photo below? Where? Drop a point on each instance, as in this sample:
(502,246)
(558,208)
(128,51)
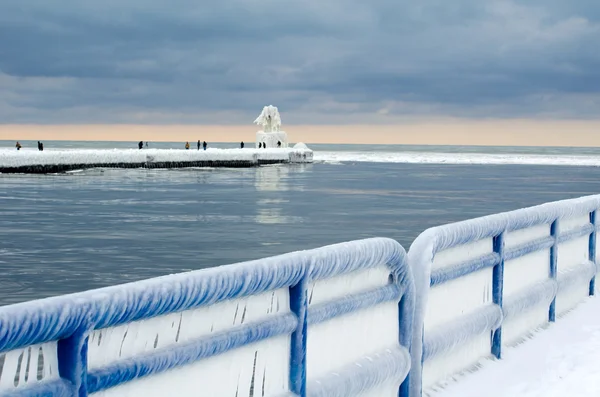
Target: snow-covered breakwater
(52,161)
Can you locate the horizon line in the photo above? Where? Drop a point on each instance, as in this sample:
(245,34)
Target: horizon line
(525,132)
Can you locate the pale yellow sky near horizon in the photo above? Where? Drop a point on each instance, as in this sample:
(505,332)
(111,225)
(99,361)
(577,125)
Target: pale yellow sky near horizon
(453,132)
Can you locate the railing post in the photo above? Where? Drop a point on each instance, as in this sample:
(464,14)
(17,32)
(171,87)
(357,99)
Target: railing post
(405,314)
(497,291)
(72,359)
(592,250)
(553,266)
(299,306)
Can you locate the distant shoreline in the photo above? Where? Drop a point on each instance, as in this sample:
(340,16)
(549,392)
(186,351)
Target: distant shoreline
(527,133)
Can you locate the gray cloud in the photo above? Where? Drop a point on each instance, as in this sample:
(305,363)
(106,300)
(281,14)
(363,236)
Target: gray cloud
(338,61)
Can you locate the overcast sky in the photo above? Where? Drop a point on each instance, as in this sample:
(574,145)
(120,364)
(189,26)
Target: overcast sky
(319,61)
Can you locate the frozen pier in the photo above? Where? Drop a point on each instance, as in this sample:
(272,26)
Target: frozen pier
(271,147)
(54,161)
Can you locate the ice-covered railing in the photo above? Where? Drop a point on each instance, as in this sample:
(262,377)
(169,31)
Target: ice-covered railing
(333,321)
(496,279)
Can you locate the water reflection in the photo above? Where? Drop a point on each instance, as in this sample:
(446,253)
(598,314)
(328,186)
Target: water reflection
(271,211)
(275,180)
(272,178)
(68,233)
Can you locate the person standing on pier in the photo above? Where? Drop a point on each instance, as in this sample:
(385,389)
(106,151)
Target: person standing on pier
(41,148)
(18,146)
(242,145)
(187,145)
(199,144)
(204,145)
(140,145)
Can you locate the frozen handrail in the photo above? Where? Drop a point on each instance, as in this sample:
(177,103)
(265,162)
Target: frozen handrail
(70,318)
(437,239)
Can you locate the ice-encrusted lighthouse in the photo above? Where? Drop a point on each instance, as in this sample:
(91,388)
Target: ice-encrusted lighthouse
(271,134)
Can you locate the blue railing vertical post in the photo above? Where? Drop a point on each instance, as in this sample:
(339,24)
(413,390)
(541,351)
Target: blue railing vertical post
(406,308)
(592,250)
(497,291)
(553,266)
(72,359)
(299,306)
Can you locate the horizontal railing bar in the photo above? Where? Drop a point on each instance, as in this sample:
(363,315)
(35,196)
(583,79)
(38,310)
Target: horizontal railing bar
(575,233)
(464,232)
(543,292)
(455,333)
(186,353)
(52,319)
(363,375)
(442,275)
(532,296)
(348,304)
(343,258)
(437,341)
(528,248)
(582,272)
(56,318)
(571,234)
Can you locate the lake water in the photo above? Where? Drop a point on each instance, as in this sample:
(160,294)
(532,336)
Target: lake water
(88,229)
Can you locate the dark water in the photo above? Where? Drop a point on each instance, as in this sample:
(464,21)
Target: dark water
(71,232)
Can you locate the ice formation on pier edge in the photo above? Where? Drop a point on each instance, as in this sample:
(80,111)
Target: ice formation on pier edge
(270,135)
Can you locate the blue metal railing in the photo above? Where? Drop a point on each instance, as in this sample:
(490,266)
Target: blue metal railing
(70,319)
(441,238)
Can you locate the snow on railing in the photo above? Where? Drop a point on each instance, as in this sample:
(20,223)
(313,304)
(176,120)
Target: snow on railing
(333,321)
(489,282)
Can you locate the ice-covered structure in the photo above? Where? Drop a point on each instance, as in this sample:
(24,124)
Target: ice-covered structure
(49,161)
(270,135)
(488,283)
(357,319)
(333,321)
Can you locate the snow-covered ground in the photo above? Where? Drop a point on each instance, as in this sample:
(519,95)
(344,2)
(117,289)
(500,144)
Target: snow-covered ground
(563,360)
